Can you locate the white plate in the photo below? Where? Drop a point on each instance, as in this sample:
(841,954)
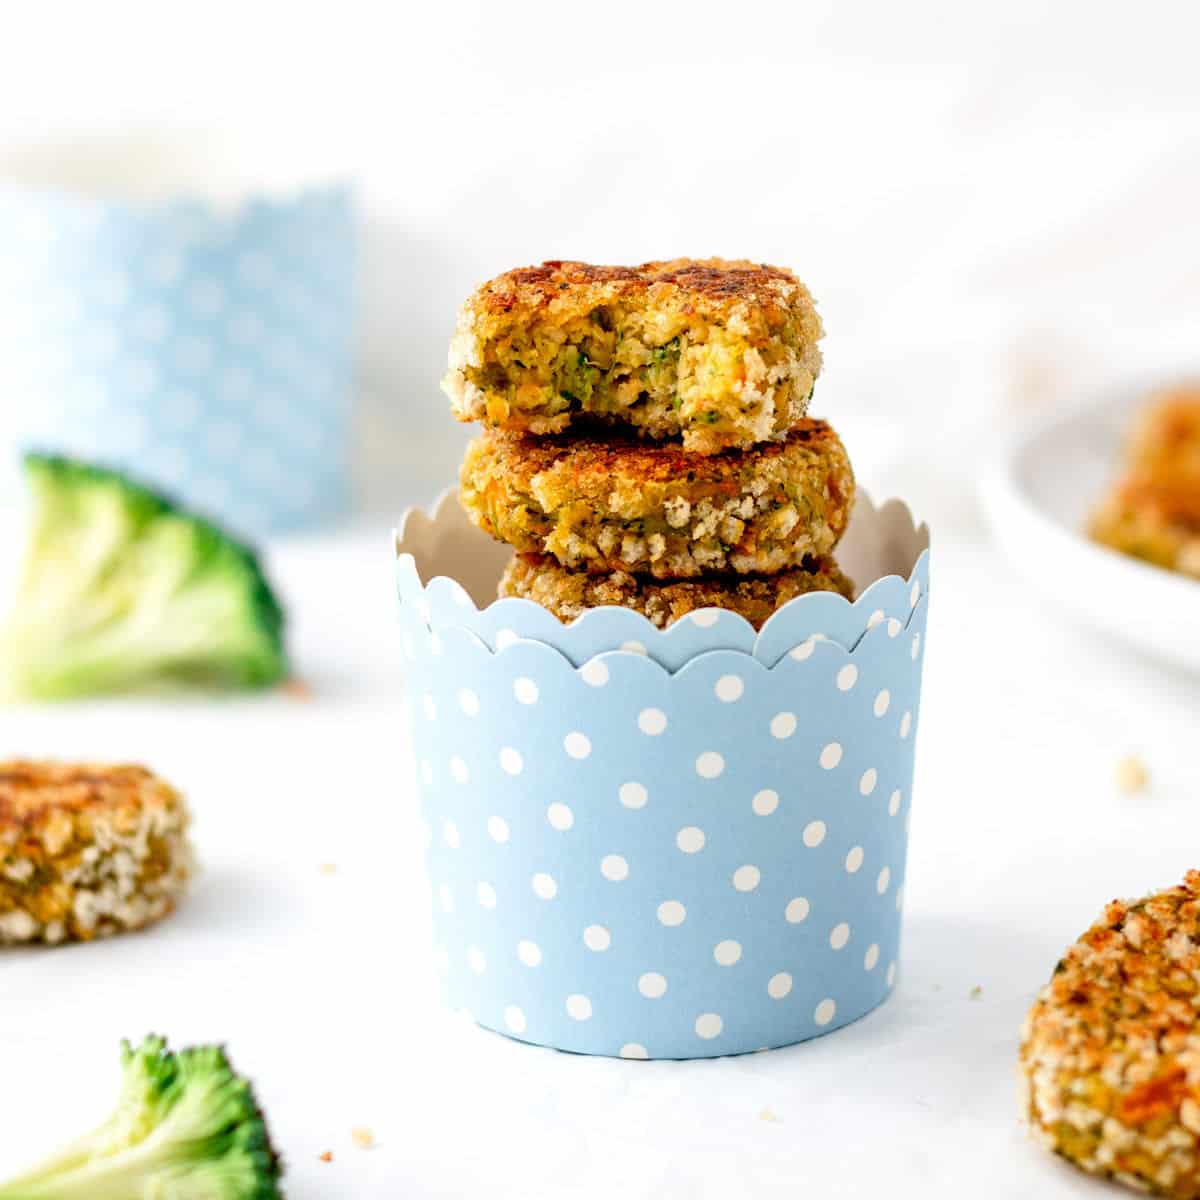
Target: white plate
(1038,500)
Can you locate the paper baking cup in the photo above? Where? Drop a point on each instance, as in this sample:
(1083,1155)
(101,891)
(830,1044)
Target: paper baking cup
(204,348)
(666,861)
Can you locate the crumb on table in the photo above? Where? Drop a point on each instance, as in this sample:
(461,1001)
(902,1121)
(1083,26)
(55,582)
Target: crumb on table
(362,1137)
(1132,775)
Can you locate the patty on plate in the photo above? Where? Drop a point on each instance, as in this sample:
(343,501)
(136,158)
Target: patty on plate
(620,504)
(1152,512)
(568,594)
(1156,520)
(87,850)
(1110,1052)
(720,353)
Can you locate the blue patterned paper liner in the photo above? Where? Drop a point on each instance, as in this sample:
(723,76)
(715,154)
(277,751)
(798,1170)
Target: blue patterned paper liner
(630,861)
(445,603)
(685,847)
(206,350)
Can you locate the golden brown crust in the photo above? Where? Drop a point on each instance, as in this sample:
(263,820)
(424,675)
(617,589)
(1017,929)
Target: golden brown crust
(29,791)
(87,850)
(720,353)
(1166,440)
(1153,511)
(1110,1052)
(597,455)
(710,283)
(620,504)
(568,594)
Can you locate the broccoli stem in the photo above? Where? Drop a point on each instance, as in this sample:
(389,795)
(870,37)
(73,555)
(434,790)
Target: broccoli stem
(186,1127)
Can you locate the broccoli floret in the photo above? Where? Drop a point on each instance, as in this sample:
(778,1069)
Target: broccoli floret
(186,1127)
(122,588)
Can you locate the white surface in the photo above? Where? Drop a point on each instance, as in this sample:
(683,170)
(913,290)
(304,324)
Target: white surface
(993,204)
(995,207)
(1039,497)
(321,983)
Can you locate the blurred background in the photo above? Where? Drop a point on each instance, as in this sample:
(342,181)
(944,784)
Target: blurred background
(233,239)
(995,207)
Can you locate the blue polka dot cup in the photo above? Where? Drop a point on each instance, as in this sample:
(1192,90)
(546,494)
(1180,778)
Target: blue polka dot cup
(661,849)
(205,349)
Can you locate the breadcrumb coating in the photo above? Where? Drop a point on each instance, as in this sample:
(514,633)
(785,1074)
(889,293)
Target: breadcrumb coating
(1110,1052)
(1153,511)
(721,353)
(87,850)
(568,594)
(617,504)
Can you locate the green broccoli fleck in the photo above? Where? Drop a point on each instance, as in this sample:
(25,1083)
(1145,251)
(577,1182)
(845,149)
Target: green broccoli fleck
(667,350)
(121,588)
(186,1127)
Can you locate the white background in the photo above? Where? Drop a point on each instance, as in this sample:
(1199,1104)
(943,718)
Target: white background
(322,984)
(996,209)
(994,204)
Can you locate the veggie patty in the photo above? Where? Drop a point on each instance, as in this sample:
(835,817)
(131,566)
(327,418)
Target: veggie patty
(619,504)
(721,353)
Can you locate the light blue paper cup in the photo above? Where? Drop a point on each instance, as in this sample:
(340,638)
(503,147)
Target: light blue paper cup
(205,348)
(682,844)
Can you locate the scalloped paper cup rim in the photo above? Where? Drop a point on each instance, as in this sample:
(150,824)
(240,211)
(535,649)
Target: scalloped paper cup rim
(448,570)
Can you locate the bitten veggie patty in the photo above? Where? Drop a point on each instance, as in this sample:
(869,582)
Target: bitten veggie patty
(568,594)
(87,850)
(617,504)
(720,353)
(1110,1053)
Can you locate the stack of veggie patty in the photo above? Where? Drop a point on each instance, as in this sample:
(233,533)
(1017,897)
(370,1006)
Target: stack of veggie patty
(646,442)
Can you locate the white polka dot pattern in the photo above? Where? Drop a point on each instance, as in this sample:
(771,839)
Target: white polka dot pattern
(652,985)
(779,985)
(665,865)
(594,672)
(596,937)
(728,952)
(147,346)
(633,795)
(560,816)
(765,802)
